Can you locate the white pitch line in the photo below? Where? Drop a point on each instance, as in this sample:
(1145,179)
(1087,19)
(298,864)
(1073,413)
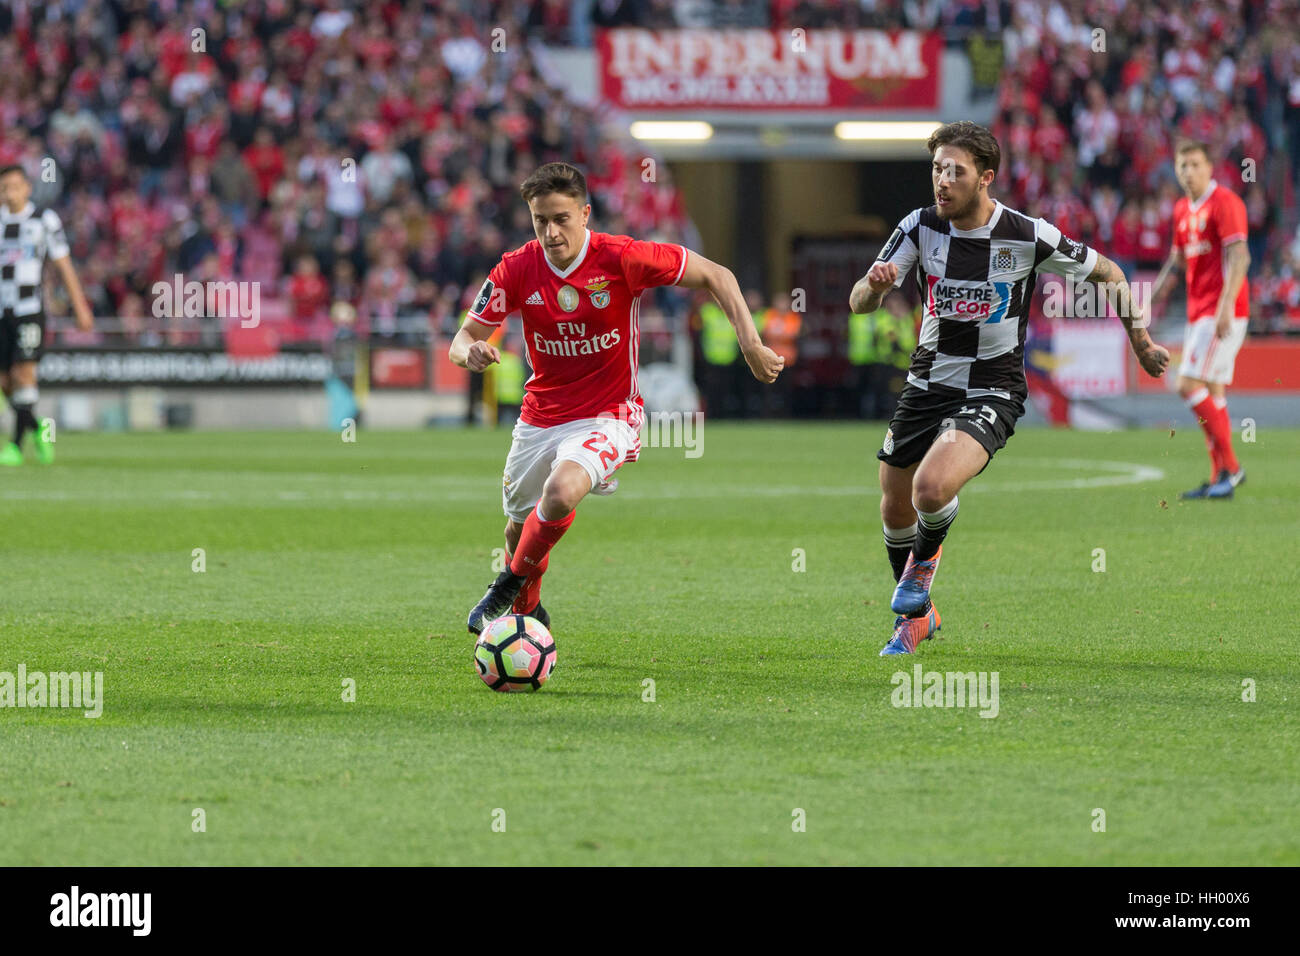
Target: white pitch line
(1130,473)
(1122,473)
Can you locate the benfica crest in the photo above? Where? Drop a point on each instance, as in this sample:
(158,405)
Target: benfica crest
(599,294)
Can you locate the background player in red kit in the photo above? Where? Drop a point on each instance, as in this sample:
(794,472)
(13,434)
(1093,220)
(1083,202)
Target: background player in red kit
(578,293)
(1210,238)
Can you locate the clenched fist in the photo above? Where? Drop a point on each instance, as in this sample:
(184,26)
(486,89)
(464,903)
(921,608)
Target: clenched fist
(764,363)
(882,276)
(1153,358)
(480,356)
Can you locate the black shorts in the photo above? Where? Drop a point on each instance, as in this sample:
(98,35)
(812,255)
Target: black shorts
(922,416)
(22,339)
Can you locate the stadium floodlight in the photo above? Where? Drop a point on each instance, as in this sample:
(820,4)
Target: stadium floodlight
(672,130)
(883,129)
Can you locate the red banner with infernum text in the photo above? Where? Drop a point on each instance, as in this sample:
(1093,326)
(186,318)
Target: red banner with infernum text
(840,70)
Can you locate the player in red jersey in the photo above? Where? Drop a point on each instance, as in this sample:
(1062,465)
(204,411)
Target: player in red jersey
(1210,238)
(578,293)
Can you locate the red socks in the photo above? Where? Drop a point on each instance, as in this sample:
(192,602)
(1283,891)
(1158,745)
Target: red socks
(1203,408)
(536,541)
(1212,413)
(1223,436)
(531,592)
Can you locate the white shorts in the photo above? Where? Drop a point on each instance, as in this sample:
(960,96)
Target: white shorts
(599,445)
(1208,358)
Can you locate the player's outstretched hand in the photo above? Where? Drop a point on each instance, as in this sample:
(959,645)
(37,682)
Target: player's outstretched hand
(481,355)
(882,276)
(1153,358)
(765,364)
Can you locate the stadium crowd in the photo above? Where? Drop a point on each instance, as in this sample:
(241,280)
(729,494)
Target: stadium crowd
(1094,97)
(367,154)
(363,155)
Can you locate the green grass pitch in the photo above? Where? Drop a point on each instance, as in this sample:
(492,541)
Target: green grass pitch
(1120,690)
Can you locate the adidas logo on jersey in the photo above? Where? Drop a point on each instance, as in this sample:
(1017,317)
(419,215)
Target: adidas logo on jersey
(534,299)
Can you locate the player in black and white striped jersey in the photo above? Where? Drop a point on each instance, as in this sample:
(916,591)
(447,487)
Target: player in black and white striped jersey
(28,238)
(977,264)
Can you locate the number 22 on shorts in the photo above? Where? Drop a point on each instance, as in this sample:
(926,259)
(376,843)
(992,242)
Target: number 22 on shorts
(607,454)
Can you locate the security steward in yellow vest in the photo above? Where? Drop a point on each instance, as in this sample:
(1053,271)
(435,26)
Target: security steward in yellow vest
(510,374)
(880,346)
(717,371)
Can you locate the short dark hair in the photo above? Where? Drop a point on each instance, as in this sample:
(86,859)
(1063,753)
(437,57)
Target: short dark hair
(1192,146)
(564,178)
(973,138)
(12,168)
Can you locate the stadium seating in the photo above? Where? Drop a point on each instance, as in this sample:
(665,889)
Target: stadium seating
(337,130)
(276,142)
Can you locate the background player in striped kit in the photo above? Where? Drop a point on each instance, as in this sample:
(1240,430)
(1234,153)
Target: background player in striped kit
(28,237)
(977,263)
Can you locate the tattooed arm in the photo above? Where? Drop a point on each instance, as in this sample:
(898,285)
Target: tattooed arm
(1112,283)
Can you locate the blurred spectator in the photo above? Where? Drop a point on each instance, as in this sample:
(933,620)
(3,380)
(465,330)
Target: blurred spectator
(309,296)
(1153,236)
(231,183)
(388,288)
(266,161)
(383,168)
(1222,72)
(1126,237)
(344,283)
(780,331)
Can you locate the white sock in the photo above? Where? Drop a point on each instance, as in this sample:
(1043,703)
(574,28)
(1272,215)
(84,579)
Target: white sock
(934,520)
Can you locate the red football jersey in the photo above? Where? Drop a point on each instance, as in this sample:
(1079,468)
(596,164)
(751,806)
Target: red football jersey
(1201,230)
(581,325)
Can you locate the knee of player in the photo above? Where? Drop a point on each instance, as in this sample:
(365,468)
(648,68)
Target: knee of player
(896,512)
(929,495)
(561,495)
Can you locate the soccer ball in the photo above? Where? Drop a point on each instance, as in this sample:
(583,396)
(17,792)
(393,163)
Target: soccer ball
(515,653)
